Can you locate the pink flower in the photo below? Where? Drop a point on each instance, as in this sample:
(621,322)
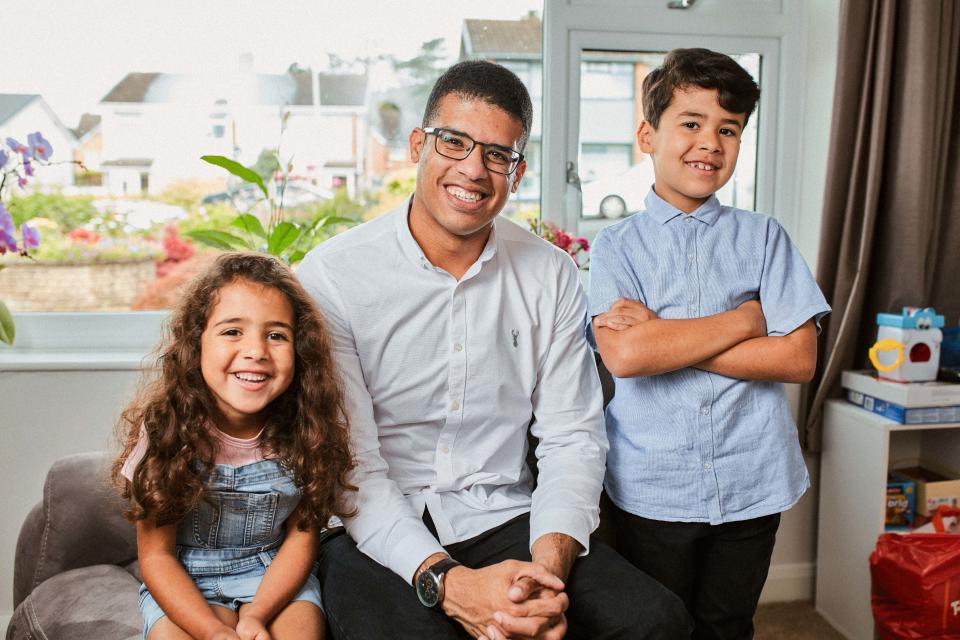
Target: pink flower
(30,237)
(563,240)
(584,244)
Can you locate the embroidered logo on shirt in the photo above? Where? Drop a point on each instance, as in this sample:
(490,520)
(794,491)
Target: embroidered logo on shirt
(515,334)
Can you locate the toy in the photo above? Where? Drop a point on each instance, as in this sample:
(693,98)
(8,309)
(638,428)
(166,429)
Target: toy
(914,337)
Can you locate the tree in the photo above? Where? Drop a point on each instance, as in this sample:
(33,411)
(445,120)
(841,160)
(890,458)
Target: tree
(425,67)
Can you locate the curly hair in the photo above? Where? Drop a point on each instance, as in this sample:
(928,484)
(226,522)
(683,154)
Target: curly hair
(736,90)
(305,427)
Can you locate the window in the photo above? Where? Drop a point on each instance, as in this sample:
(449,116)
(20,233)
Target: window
(605,47)
(252,87)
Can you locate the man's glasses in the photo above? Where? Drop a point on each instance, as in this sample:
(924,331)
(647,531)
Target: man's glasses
(457,146)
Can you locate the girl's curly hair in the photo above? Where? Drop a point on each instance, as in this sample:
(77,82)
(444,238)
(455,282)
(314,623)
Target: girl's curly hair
(305,427)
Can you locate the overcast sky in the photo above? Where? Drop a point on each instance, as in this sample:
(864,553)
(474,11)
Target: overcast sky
(74,52)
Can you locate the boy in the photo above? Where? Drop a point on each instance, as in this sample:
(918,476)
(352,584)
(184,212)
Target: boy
(700,312)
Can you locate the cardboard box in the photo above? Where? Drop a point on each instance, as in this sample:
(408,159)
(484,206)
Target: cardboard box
(932,489)
(900,502)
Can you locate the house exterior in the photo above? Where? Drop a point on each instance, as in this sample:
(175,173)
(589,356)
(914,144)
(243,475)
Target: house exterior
(610,90)
(517,45)
(22,114)
(156,126)
(89,150)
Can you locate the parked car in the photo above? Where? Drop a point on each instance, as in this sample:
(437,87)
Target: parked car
(245,196)
(618,195)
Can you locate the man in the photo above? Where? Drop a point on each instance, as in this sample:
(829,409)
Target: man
(456,332)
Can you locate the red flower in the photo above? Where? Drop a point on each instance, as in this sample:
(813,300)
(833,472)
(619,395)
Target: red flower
(84,235)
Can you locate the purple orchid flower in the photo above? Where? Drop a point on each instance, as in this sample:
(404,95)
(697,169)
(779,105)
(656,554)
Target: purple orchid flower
(3,158)
(7,242)
(30,237)
(16,146)
(27,167)
(40,148)
(6,220)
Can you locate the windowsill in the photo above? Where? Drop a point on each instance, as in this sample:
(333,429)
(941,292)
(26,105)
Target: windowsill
(82,341)
(39,360)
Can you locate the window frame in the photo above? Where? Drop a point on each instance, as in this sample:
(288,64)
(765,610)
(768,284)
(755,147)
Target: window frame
(776,30)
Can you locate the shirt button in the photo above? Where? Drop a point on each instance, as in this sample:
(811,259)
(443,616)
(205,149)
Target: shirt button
(705,411)
(454,406)
(690,257)
(444,449)
(458,347)
(708,465)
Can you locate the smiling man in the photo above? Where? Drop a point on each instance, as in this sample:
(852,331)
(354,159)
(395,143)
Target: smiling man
(457,332)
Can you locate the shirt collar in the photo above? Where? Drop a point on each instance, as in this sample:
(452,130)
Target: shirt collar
(664,212)
(411,248)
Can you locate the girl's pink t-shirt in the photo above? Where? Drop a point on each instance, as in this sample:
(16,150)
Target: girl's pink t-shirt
(232,451)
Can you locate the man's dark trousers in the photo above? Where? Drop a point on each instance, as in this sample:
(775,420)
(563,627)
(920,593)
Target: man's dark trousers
(609,598)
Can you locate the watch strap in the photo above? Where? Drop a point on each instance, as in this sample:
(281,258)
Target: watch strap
(442,566)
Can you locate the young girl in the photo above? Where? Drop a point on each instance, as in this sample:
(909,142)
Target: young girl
(234,457)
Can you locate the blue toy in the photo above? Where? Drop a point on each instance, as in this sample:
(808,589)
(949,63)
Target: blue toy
(914,336)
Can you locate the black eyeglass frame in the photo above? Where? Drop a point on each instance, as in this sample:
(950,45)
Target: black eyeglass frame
(436,131)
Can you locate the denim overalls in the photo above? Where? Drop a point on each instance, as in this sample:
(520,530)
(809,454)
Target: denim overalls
(227,541)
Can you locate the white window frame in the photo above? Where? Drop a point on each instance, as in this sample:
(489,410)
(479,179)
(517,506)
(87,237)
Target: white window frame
(773,28)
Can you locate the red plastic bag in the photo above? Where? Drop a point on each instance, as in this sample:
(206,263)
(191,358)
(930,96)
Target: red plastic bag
(916,584)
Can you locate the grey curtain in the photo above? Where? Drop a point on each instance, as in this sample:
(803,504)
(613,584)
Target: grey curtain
(890,233)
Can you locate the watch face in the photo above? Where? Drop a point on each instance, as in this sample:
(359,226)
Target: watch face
(428,589)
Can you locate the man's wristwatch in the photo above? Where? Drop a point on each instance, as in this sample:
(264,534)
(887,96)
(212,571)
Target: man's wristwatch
(430,582)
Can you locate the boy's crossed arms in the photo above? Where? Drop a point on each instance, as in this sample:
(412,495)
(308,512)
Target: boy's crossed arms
(633,341)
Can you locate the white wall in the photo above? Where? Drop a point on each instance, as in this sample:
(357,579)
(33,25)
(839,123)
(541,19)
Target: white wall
(793,566)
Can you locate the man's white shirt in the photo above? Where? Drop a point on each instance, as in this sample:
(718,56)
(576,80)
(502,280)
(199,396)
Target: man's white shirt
(442,379)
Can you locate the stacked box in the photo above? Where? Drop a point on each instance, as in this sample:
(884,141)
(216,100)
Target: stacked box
(900,502)
(932,489)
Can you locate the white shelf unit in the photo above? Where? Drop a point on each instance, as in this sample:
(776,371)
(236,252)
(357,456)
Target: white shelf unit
(859,448)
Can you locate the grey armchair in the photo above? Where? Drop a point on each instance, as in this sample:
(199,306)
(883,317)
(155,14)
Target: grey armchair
(75,575)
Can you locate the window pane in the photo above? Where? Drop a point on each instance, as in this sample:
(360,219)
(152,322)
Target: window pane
(615,175)
(318,100)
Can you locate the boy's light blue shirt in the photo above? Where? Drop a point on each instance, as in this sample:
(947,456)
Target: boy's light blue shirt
(690,445)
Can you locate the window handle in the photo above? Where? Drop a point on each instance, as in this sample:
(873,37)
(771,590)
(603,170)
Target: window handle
(680,4)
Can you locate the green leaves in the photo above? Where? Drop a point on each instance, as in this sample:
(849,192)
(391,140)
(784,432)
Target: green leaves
(251,224)
(7,330)
(288,240)
(237,169)
(219,239)
(283,235)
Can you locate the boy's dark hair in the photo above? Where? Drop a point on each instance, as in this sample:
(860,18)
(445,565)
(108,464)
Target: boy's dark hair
(486,81)
(736,90)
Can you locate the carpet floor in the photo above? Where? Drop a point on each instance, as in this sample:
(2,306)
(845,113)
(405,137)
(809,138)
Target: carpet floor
(792,621)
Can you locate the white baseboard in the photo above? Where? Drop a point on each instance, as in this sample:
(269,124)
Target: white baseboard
(788,582)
